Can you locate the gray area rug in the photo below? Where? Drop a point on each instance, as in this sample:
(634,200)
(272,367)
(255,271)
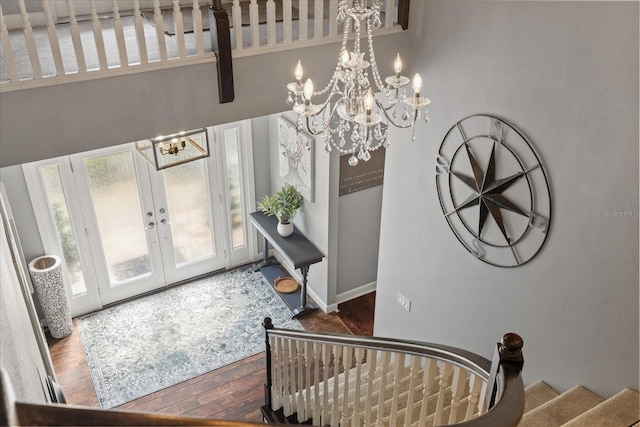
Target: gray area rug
(142,346)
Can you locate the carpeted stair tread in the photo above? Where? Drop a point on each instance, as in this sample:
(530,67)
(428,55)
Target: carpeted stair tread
(622,409)
(563,408)
(537,394)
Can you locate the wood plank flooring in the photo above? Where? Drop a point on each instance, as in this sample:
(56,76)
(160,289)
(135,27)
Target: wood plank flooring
(233,392)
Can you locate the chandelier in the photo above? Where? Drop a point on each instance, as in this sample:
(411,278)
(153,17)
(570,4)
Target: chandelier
(353,119)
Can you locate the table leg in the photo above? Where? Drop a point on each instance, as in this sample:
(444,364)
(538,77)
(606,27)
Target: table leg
(303,309)
(265,256)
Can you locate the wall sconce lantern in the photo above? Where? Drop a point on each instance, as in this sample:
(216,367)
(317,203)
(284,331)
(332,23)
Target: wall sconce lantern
(172,150)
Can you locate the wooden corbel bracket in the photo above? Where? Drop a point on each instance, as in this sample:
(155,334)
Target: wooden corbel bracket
(221,47)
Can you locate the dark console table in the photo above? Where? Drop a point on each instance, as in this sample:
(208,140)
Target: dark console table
(296,250)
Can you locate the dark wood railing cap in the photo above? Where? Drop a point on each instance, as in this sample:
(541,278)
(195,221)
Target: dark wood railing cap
(511,347)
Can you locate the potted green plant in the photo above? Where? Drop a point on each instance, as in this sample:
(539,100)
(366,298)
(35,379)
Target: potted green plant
(284,206)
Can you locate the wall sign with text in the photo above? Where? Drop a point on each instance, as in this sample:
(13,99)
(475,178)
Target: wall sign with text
(362,176)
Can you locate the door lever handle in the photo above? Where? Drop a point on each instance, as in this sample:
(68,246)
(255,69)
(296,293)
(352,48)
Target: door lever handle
(164,221)
(150,225)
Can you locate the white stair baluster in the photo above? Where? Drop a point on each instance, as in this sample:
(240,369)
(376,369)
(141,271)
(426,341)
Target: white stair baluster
(355,415)
(119,31)
(237,23)
(97,36)
(271,22)
(300,361)
(475,386)
(482,404)
(303,20)
(286,392)
(390,13)
(179,28)
(276,373)
(287,26)
(386,356)
(446,372)
(335,416)
(326,358)
(308,360)
(458,391)
(159,24)
(347,362)
(139,24)
(53,38)
(197,28)
(413,380)
(316,383)
(397,378)
(8,50)
(429,377)
(371,363)
(31,41)
(318,19)
(254,21)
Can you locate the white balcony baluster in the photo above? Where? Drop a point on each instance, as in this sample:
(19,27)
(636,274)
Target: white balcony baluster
(179,28)
(197,28)
(53,39)
(271,22)
(8,50)
(389,13)
(97,35)
(254,21)
(237,23)
(303,20)
(139,24)
(119,31)
(159,24)
(318,19)
(30,40)
(287,27)
(333,14)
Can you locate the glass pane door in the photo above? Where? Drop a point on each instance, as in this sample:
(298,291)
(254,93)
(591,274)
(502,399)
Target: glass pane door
(120,221)
(187,227)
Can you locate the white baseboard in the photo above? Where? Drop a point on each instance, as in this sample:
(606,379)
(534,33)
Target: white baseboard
(357,292)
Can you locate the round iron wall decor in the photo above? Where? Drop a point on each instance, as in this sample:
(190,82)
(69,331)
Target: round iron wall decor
(493,190)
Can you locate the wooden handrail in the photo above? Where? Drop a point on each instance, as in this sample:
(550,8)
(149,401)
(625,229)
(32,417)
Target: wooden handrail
(13,413)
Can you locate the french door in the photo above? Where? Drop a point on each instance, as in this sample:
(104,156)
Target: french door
(148,228)
(122,228)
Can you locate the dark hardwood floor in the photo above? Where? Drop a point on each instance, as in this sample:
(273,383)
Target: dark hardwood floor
(233,392)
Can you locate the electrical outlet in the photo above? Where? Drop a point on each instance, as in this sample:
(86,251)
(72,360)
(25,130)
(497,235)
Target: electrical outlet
(404,301)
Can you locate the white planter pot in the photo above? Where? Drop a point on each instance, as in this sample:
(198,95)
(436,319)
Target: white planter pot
(285,230)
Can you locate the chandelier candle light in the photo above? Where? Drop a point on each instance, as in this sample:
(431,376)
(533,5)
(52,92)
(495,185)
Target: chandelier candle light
(352,116)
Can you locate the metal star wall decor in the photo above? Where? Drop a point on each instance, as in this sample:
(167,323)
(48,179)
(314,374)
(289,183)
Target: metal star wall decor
(500,212)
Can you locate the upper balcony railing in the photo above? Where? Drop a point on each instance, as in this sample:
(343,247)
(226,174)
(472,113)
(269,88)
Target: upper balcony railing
(57,41)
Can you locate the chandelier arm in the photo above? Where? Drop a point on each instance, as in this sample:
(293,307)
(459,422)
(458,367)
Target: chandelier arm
(395,123)
(318,131)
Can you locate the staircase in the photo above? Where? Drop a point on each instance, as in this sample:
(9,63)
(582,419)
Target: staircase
(579,407)
(339,380)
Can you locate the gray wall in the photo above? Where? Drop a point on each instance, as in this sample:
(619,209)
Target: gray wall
(358,240)
(566,74)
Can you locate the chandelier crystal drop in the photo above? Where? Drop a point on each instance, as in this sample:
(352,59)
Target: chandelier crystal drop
(359,106)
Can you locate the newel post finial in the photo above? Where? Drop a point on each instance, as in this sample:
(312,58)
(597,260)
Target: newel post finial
(508,354)
(510,348)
